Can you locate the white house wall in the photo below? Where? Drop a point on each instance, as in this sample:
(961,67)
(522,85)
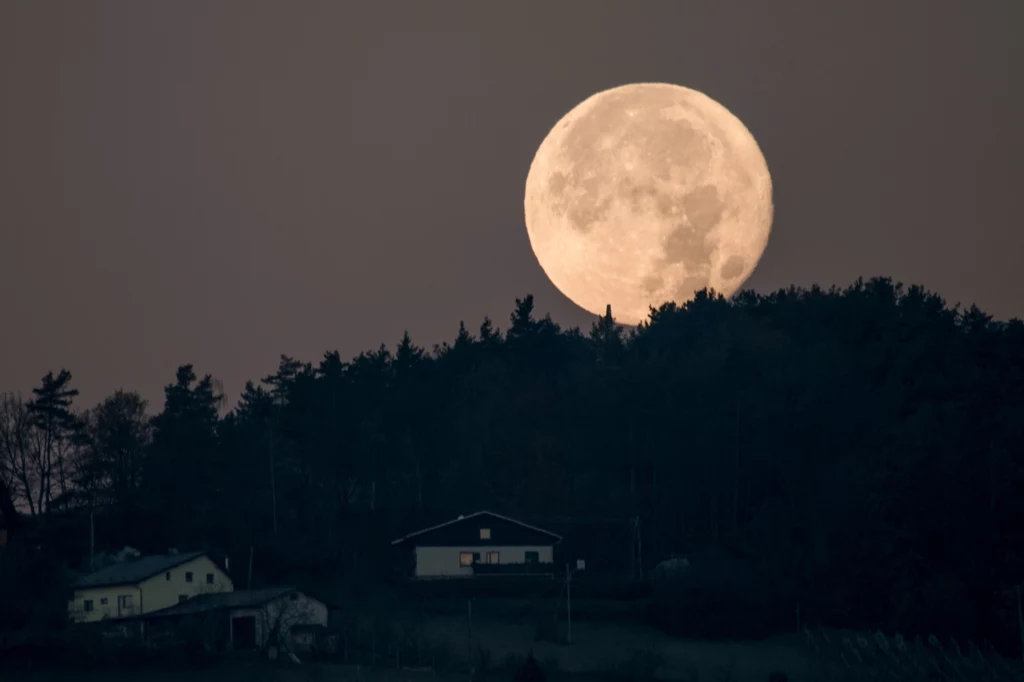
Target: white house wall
(152,594)
(443,562)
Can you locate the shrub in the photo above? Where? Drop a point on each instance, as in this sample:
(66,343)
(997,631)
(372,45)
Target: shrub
(530,671)
(641,665)
(717,598)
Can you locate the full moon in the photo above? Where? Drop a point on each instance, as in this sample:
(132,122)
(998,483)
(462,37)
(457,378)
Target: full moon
(645,194)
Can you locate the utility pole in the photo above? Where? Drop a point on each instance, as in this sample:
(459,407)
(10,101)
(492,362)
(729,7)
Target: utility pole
(568,605)
(92,538)
(469,635)
(580,565)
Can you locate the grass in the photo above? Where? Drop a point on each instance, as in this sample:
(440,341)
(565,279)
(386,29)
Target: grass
(847,656)
(610,642)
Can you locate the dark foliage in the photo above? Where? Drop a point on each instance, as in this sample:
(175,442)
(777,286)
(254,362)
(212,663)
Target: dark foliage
(530,670)
(852,455)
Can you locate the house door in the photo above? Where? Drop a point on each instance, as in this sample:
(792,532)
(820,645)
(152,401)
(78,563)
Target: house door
(243,632)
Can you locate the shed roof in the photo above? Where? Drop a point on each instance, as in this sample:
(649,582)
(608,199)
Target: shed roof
(554,537)
(135,571)
(239,599)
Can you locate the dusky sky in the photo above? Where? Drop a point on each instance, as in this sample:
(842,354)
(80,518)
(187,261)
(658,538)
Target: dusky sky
(218,183)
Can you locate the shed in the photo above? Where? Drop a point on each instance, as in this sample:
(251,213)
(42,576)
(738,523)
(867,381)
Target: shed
(249,619)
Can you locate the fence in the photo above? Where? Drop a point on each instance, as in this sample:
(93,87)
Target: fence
(387,648)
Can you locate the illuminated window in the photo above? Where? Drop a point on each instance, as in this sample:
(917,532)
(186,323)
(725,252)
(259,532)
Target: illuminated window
(492,558)
(465,558)
(485,533)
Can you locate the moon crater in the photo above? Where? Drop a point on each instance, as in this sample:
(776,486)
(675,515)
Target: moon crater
(644,194)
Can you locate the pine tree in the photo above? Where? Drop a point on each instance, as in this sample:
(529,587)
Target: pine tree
(50,413)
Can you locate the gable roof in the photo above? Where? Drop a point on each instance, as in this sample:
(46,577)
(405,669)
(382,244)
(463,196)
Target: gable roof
(400,540)
(239,599)
(133,572)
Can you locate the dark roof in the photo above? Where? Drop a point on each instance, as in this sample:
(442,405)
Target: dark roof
(135,571)
(239,599)
(451,533)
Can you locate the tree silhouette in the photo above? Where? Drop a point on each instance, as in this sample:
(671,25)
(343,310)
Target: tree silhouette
(857,453)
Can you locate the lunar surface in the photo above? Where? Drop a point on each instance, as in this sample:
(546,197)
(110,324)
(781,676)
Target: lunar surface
(645,194)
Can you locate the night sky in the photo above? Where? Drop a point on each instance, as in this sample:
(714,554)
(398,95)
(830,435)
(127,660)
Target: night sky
(218,183)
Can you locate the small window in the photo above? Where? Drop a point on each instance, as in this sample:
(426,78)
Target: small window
(167,575)
(87,604)
(492,558)
(209,578)
(188,576)
(532,557)
(465,558)
(485,533)
(182,598)
(103,600)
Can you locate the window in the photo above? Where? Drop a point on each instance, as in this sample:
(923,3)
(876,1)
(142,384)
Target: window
(188,576)
(182,598)
(209,578)
(492,558)
(485,533)
(465,558)
(476,557)
(87,604)
(126,601)
(532,557)
(103,600)
(167,575)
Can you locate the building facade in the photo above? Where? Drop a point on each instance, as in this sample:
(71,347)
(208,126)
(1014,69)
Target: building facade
(250,619)
(483,544)
(143,585)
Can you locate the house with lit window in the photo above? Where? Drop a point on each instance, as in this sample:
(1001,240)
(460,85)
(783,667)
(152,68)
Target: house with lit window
(141,585)
(482,544)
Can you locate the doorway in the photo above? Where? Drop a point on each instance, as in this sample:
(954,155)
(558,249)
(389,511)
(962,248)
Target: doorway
(243,632)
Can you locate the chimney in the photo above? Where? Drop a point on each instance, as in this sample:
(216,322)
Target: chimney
(608,311)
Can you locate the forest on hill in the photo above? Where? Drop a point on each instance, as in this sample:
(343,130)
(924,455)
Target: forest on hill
(859,451)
